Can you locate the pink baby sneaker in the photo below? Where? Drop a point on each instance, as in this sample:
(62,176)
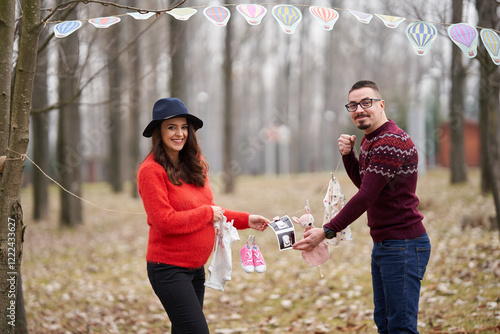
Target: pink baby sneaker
(258,259)
(246,257)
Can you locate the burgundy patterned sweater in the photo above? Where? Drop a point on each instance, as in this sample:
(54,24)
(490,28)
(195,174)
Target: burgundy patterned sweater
(386,175)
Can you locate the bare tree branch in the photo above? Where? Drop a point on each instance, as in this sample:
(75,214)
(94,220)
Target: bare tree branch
(68,4)
(51,36)
(60,104)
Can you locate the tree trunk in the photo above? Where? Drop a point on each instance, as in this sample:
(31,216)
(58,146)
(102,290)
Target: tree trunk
(488,87)
(303,157)
(40,135)
(69,159)
(492,146)
(484,89)
(489,102)
(7,18)
(458,75)
(283,104)
(227,136)
(115,162)
(11,215)
(21,322)
(178,53)
(135,96)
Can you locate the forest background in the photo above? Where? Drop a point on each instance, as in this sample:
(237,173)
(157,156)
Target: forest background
(272,103)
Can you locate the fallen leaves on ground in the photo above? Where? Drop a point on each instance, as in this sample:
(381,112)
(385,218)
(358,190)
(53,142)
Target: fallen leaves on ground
(92,279)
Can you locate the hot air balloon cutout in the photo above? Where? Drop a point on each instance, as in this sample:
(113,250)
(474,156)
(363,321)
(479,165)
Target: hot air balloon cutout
(492,43)
(218,15)
(64,29)
(288,17)
(421,35)
(391,21)
(252,13)
(325,16)
(362,17)
(182,14)
(141,16)
(465,37)
(104,22)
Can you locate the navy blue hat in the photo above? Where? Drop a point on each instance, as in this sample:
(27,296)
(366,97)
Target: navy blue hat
(167,108)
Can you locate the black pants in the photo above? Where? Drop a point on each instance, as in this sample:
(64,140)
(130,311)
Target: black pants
(181,291)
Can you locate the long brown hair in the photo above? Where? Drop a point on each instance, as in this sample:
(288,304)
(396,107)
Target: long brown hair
(191,168)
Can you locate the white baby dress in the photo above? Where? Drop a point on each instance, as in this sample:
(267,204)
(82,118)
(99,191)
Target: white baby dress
(219,271)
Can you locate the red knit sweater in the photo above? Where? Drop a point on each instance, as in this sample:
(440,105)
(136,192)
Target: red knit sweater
(180,218)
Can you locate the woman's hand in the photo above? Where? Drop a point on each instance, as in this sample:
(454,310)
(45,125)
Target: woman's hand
(218,213)
(257,222)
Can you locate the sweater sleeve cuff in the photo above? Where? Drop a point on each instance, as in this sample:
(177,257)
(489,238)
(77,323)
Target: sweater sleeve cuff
(349,156)
(331,226)
(240,218)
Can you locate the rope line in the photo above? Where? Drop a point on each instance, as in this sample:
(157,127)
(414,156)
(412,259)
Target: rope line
(25,156)
(326,186)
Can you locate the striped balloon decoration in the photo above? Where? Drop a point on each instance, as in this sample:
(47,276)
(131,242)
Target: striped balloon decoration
(327,17)
(288,17)
(218,15)
(64,29)
(252,13)
(465,37)
(491,41)
(421,36)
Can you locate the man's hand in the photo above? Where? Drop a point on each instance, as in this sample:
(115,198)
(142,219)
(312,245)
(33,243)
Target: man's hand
(346,143)
(312,238)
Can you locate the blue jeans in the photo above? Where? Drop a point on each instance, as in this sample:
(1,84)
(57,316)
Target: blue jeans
(398,267)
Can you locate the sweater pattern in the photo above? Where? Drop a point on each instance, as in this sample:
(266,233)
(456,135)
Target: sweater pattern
(389,154)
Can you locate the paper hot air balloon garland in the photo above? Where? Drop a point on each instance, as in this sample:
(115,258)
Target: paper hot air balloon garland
(465,37)
(64,29)
(252,13)
(390,21)
(218,15)
(325,16)
(362,17)
(421,36)
(182,14)
(288,17)
(104,22)
(141,16)
(492,43)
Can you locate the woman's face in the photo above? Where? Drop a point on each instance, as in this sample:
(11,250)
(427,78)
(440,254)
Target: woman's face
(174,133)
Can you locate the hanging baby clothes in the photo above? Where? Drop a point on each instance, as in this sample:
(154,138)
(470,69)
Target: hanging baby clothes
(219,271)
(334,201)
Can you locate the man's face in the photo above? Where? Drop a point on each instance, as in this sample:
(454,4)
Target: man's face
(371,118)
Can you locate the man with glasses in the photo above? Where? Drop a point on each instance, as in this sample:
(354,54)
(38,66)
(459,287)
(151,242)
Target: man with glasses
(386,175)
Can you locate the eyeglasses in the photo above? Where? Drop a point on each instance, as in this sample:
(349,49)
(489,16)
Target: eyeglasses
(365,104)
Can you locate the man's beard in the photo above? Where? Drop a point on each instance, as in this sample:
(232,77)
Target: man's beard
(363,125)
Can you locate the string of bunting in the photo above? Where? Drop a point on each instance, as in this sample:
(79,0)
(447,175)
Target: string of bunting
(421,34)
